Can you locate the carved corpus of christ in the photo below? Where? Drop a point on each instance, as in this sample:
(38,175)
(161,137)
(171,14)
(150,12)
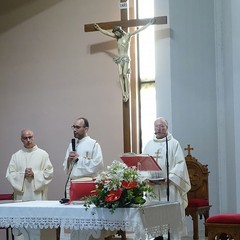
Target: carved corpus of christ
(122,59)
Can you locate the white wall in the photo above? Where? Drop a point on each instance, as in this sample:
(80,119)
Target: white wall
(197,58)
(198,88)
(236,97)
(186,96)
(186,87)
(53,72)
(231,72)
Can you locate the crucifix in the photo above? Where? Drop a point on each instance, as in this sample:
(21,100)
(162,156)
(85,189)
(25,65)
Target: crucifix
(130,104)
(189,149)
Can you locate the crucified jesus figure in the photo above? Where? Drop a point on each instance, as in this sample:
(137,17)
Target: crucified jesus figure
(123,59)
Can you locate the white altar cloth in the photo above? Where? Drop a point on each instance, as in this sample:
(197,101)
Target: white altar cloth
(148,221)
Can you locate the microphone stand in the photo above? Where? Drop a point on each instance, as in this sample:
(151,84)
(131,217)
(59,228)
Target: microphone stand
(65,199)
(167,163)
(65,188)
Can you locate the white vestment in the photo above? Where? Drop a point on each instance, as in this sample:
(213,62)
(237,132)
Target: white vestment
(178,173)
(89,163)
(30,188)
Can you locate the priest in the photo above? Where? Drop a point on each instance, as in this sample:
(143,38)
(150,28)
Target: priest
(30,170)
(179,183)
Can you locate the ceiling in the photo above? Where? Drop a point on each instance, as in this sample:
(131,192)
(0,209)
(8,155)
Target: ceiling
(7,6)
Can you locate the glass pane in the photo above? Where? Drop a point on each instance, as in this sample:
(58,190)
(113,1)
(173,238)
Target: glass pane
(146,43)
(147,73)
(148,111)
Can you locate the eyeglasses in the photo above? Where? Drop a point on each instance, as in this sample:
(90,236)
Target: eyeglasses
(77,127)
(160,126)
(26,138)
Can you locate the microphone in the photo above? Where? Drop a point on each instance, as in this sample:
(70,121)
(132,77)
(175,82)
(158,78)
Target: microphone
(73,144)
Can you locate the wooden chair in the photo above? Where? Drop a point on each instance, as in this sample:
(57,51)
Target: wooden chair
(4,197)
(198,199)
(224,226)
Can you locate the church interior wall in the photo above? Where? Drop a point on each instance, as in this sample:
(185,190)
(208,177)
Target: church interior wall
(190,78)
(203,107)
(193,83)
(53,72)
(231,49)
(236,87)
(197,89)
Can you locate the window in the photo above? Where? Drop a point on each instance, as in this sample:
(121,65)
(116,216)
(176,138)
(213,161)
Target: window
(146,61)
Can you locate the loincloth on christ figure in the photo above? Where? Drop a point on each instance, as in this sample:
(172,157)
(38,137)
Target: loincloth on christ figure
(121,59)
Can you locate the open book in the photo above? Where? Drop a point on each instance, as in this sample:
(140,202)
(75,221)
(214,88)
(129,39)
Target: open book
(141,162)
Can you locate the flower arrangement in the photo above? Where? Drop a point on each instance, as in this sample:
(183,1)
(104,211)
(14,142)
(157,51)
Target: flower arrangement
(119,186)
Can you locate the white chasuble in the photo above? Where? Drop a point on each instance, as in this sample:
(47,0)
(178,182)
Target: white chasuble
(30,188)
(178,173)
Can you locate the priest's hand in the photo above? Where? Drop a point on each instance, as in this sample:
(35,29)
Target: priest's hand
(29,173)
(152,21)
(96,26)
(73,156)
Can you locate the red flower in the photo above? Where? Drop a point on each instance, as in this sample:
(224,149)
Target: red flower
(129,185)
(113,195)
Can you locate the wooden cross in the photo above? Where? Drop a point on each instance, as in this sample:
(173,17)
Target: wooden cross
(189,149)
(125,23)
(130,118)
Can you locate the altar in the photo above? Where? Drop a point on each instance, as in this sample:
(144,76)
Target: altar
(148,221)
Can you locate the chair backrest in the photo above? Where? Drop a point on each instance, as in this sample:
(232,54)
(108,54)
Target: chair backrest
(198,174)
